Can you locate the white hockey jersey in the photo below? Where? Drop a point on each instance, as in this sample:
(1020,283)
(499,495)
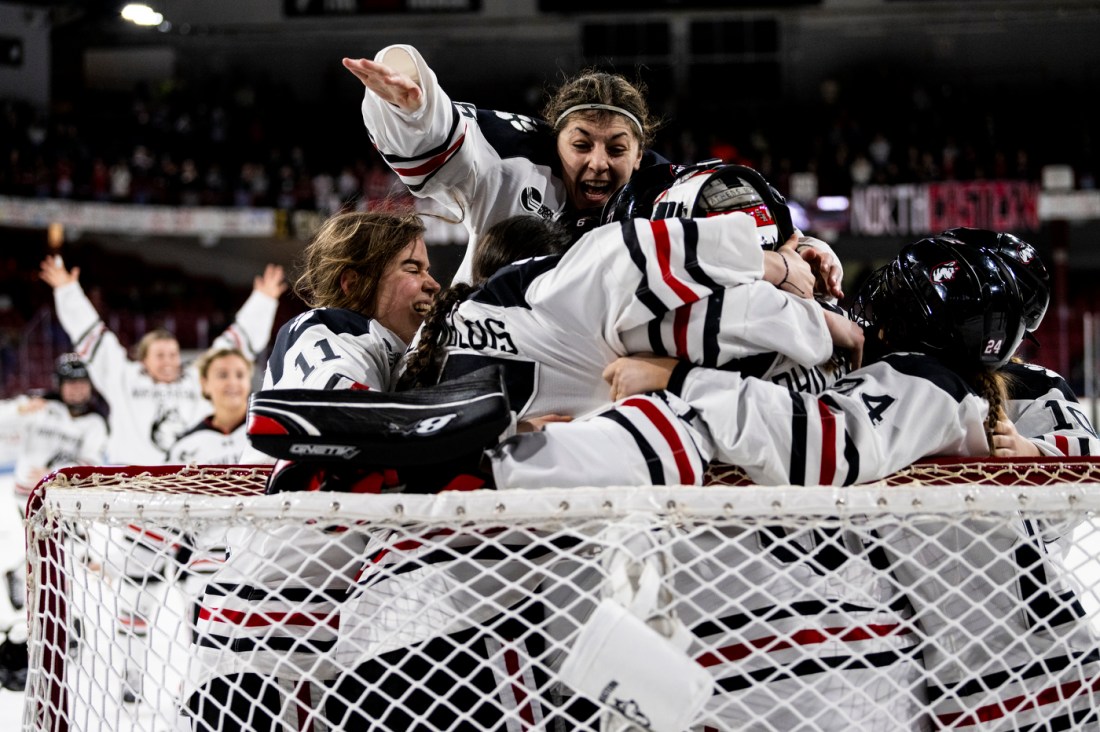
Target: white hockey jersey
(51,438)
(874,421)
(205,444)
(1046,411)
(556,322)
(146,417)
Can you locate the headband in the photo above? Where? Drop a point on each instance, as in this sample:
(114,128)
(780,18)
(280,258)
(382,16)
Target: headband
(606,108)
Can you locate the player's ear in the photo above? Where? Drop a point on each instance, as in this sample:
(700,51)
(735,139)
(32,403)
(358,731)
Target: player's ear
(348,280)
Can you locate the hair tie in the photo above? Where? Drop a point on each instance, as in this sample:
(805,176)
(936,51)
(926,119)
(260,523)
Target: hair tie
(604,107)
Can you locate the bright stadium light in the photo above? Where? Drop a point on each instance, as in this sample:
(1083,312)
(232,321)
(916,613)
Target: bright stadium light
(140,14)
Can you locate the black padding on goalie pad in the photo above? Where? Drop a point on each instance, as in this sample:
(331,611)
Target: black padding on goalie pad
(432,424)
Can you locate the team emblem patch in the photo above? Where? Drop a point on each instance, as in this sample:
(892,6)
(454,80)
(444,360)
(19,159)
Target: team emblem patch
(521,122)
(944,272)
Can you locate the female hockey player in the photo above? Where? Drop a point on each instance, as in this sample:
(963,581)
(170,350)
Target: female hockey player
(484,166)
(942,321)
(225,377)
(154,399)
(271,613)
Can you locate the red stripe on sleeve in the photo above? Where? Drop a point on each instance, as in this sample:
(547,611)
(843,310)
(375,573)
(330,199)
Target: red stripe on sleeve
(683,465)
(664,251)
(432,163)
(1062,443)
(828,444)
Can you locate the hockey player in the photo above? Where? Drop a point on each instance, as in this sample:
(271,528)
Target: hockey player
(554,323)
(484,166)
(154,399)
(65,427)
(225,377)
(367,278)
(942,321)
(700,288)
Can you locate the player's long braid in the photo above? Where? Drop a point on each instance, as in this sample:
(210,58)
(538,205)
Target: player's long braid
(993,387)
(424,365)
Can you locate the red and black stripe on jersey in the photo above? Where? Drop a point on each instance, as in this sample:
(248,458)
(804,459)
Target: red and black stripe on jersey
(825,409)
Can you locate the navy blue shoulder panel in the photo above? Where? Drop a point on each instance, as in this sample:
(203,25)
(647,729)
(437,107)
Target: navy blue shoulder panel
(337,320)
(1027,381)
(930,369)
(508,286)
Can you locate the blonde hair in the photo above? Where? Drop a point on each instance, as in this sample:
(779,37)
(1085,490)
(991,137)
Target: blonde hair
(147,341)
(362,242)
(993,387)
(591,86)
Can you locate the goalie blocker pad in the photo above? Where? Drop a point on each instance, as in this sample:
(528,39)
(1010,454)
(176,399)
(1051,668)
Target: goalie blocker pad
(395,429)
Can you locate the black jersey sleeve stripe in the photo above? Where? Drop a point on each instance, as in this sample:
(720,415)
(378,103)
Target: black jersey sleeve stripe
(456,118)
(799,421)
(1084,445)
(656,343)
(653,463)
(634,247)
(711,326)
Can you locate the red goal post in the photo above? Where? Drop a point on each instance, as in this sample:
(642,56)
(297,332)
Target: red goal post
(783,595)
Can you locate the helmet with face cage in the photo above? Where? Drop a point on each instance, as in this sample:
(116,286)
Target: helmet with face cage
(938,296)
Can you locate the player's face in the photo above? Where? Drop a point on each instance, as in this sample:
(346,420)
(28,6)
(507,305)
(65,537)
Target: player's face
(597,157)
(162,361)
(405,291)
(75,392)
(227,384)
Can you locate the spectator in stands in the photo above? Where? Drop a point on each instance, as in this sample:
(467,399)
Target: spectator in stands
(154,399)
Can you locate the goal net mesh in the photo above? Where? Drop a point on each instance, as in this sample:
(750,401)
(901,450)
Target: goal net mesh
(955,594)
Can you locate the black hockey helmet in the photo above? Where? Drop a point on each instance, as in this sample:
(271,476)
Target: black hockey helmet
(634,200)
(938,296)
(69,367)
(710,189)
(1022,259)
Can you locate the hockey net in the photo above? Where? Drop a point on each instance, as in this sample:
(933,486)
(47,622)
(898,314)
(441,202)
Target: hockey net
(955,594)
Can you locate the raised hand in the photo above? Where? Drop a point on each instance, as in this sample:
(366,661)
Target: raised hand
(271,282)
(392,85)
(54,274)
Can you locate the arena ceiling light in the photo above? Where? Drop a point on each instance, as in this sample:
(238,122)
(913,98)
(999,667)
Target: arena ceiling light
(141,14)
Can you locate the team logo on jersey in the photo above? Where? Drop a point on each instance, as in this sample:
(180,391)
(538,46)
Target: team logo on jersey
(531,200)
(521,122)
(944,272)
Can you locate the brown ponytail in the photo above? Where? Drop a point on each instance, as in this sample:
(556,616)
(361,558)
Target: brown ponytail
(426,362)
(993,387)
